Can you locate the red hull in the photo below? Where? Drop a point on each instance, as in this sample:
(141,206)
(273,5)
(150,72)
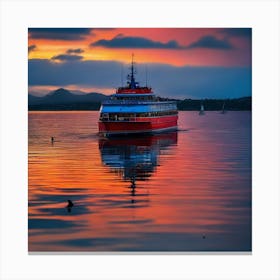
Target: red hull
(140,125)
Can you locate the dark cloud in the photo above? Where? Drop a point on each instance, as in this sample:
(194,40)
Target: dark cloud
(31,48)
(166,80)
(121,41)
(59,33)
(67,57)
(210,42)
(237,32)
(70,51)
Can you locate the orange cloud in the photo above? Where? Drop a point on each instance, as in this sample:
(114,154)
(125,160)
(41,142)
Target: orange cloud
(239,56)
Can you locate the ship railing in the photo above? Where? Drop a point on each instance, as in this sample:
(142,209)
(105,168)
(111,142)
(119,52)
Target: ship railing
(138,102)
(119,119)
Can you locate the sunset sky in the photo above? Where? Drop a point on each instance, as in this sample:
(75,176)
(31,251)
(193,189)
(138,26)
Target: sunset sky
(180,62)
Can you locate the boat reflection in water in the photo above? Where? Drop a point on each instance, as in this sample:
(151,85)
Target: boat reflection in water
(135,158)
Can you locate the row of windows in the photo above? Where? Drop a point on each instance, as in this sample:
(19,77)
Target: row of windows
(152,103)
(163,107)
(149,97)
(130,116)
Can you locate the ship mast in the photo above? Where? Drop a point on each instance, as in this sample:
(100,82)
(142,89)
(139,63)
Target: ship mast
(132,82)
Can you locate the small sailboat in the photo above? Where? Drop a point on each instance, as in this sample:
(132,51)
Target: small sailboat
(223,108)
(201,112)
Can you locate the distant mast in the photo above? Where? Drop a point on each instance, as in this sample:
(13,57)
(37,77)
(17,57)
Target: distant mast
(201,112)
(223,108)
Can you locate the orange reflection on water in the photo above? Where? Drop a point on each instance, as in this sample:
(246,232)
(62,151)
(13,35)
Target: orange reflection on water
(182,191)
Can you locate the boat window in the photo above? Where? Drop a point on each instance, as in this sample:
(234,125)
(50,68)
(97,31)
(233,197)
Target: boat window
(130,116)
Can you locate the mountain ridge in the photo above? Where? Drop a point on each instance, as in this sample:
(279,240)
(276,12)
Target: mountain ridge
(64,96)
(63,99)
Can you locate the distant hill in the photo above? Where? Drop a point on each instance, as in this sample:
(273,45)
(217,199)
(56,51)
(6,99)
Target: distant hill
(63,99)
(33,99)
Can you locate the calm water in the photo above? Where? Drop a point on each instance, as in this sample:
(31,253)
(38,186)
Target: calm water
(183,191)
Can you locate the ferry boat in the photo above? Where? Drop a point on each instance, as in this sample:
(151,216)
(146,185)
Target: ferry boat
(135,109)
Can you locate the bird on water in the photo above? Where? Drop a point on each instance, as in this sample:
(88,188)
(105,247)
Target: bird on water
(70,205)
